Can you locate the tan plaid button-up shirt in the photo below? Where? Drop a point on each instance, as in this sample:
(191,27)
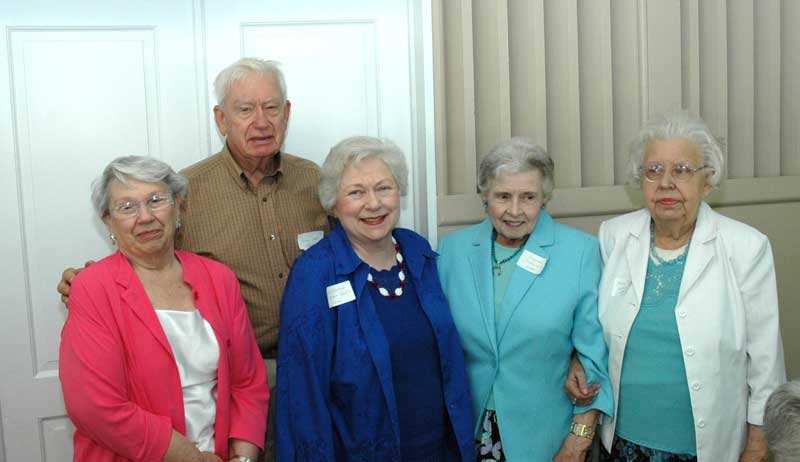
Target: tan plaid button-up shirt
(252,228)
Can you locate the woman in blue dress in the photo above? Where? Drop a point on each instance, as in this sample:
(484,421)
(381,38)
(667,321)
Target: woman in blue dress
(370,366)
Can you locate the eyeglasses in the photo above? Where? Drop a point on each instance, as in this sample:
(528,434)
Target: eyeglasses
(653,171)
(154,203)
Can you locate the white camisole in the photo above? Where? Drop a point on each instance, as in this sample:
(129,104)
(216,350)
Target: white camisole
(197,355)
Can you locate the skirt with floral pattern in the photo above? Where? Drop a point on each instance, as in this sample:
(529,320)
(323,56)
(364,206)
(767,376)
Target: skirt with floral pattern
(625,451)
(488,445)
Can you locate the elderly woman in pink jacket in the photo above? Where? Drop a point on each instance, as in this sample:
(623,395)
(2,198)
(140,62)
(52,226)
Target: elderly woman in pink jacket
(158,359)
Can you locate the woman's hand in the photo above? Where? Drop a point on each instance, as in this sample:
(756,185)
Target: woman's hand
(210,457)
(756,448)
(576,388)
(573,449)
(65,283)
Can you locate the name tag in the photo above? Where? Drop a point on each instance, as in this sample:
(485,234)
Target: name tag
(620,287)
(339,294)
(531,262)
(306,240)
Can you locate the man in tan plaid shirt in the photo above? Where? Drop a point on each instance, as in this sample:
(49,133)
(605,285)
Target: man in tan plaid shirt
(251,206)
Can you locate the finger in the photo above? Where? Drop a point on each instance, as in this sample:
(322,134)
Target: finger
(65,300)
(88,263)
(580,376)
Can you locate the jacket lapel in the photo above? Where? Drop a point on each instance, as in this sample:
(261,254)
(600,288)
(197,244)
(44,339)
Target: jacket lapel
(636,253)
(701,249)
(349,267)
(480,261)
(134,295)
(539,243)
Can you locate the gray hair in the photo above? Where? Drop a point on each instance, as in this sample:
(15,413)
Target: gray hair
(146,169)
(243,68)
(352,151)
(782,422)
(516,155)
(679,125)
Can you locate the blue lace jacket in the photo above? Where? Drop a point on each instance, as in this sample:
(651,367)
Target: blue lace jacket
(335,400)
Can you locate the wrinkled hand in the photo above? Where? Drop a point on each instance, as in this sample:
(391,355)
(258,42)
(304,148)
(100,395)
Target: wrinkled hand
(573,449)
(66,281)
(211,457)
(576,387)
(754,455)
(756,448)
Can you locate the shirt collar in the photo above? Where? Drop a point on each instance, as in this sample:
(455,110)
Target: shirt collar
(238,174)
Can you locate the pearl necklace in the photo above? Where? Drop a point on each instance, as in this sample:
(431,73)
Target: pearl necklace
(401,275)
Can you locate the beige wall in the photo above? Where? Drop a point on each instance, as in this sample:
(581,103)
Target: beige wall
(580,76)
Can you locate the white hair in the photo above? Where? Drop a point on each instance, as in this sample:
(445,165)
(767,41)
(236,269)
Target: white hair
(242,69)
(679,124)
(782,422)
(146,169)
(516,155)
(352,151)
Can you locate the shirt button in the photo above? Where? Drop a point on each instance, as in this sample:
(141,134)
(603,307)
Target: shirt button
(682,313)
(701,423)
(280,275)
(690,351)
(695,387)
(263,199)
(272,237)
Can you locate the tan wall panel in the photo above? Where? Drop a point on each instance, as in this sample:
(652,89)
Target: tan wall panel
(527,70)
(597,112)
(741,88)
(790,89)
(767,110)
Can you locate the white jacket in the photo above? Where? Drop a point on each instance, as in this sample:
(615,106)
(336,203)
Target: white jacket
(727,314)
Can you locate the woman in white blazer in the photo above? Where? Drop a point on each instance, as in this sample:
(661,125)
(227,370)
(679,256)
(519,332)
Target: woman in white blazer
(689,309)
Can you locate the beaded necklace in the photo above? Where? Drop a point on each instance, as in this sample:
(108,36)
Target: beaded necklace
(401,275)
(498,265)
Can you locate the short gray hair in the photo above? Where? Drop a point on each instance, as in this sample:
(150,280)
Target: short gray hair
(782,422)
(516,155)
(243,68)
(352,151)
(141,168)
(679,124)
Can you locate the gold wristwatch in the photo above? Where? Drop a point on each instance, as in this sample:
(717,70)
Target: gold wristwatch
(584,431)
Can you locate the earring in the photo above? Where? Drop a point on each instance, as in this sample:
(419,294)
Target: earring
(113,238)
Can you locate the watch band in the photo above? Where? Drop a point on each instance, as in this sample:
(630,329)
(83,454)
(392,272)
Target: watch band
(582,430)
(242,459)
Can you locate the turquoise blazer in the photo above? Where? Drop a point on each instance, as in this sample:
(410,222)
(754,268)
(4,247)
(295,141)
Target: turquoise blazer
(525,355)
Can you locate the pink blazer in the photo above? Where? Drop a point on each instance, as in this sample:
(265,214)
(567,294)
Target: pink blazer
(118,374)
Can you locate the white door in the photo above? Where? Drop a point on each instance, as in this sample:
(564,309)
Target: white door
(352,68)
(86,81)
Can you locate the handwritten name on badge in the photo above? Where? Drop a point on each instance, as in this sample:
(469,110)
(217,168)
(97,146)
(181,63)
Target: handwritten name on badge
(620,287)
(339,294)
(306,240)
(531,262)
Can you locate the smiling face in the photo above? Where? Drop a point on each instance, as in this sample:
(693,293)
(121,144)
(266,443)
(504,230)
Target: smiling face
(146,233)
(253,119)
(671,201)
(513,202)
(368,203)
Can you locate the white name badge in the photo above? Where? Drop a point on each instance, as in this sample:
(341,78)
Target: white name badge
(339,294)
(306,240)
(531,262)
(620,287)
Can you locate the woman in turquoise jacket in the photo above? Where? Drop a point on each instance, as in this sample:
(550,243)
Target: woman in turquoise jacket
(523,293)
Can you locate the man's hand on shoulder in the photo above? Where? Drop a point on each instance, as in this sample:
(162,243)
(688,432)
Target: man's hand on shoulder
(66,280)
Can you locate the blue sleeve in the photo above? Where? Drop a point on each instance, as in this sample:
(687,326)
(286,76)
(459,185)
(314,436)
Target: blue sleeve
(587,333)
(304,429)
